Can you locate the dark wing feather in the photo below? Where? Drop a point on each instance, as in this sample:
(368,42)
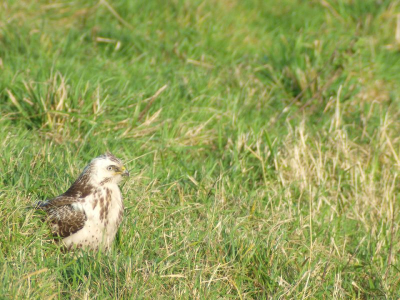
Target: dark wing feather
(63,217)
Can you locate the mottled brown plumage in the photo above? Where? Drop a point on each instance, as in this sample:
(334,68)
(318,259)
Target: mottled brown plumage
(63,218)
(89,213)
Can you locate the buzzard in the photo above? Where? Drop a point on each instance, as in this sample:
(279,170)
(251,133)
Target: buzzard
(89,213)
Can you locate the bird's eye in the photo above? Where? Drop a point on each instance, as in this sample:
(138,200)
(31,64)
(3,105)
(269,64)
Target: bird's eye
(110,168)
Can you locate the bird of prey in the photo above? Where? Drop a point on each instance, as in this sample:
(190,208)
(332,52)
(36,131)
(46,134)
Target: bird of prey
(89,213)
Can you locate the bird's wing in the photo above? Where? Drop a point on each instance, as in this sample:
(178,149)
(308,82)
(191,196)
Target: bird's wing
(64,217)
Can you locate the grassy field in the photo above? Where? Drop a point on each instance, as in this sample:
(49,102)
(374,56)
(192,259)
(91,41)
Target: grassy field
(263,139)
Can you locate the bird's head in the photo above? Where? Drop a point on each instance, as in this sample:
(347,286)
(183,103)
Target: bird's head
(106,169)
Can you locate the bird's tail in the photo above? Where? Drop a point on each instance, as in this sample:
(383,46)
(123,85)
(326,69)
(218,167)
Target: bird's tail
(39,205)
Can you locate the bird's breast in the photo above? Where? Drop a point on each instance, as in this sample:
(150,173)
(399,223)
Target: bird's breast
(106,206)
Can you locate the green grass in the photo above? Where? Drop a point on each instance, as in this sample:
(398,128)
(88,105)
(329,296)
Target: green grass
(267,166)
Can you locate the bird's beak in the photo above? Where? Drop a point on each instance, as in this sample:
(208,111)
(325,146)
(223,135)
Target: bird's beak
(125,172)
